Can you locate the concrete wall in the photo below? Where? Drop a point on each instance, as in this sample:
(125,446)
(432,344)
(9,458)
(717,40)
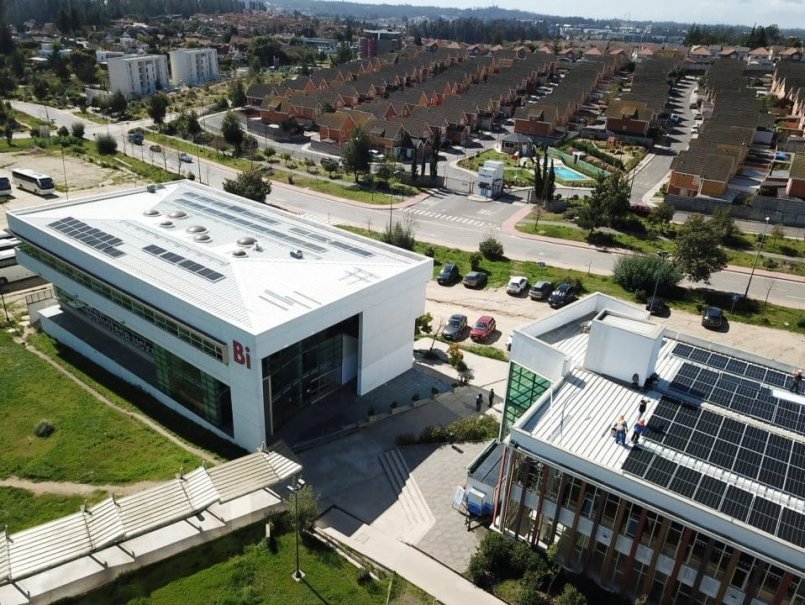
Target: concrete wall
(790,212)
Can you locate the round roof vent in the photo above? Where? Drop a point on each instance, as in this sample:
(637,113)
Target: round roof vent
(197,229)
(152,212)
(202,237)
(166,223)
(247,241)
(178,214)
(239,253)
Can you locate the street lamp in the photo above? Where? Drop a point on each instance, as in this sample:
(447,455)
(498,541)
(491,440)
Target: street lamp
(757,257)
(663,255)
(300,483)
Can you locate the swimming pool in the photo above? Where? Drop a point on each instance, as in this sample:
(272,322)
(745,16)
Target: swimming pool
(568,174)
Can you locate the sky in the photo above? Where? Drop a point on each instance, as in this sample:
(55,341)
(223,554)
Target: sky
(784,13)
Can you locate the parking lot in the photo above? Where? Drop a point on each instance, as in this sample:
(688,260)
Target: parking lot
(511,312)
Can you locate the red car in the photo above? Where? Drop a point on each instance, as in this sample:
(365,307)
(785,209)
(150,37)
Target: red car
(483,328)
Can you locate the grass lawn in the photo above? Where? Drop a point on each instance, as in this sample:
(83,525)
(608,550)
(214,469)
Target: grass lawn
(16,145)
(20,509)
(751,312)
(240,569)
(92,443)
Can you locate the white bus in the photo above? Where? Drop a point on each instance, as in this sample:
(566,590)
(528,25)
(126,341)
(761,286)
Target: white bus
(9,269)
(40,184)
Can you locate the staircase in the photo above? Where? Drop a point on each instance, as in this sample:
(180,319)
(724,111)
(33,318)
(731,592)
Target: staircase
(410,500)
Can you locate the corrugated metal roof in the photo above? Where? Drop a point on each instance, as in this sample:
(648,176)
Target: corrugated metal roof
(115,520)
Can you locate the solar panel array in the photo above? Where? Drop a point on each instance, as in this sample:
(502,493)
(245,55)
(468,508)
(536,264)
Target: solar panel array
(185,263)
(743,395)
(748,451)
(90,236)
(332,242)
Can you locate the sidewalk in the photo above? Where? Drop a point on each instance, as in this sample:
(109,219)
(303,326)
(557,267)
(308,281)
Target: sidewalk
(413,565)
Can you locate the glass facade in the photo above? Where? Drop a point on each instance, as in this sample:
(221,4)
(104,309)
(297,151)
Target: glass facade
(305,372)
(193,337)
(194,389)
(525,387)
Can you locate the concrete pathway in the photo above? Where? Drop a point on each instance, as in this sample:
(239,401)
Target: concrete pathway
(68,488)
(408,562)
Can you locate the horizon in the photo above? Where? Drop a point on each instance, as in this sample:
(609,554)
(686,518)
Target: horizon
(786,14)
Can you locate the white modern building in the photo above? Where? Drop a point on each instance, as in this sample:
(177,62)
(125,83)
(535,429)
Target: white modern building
(234,314)
(193,66)
(707,508)
(138,76)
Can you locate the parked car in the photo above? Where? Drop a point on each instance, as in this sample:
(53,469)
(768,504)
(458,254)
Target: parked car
(155,149)
(713,317)
(540,290)
(184,157)
(136,137)
(475,279)
(564,294)
(455,327)
(656,305)
(448,275)
(376,156)
(483,328)
(517,285)
(5,186)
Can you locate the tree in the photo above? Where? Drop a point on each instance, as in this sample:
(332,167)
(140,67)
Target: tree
(77,129)
(570,596)
(539,185)
(304,509)
(491,248)
(356,153)
(249,184)
(616,198)
(192,125)
(343,54)
(698,253)
(85,66)
(40,88)
(8,132)
(662,215)
(232,131)
(63,131)
(158,107)
(237,95)
(106,144)
(435,146)
(592,214)
(640,273)
(400,235)
(118,103)
(550,185)
(723,223)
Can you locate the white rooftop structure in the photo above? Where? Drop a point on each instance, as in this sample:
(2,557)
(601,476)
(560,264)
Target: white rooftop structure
(182,273)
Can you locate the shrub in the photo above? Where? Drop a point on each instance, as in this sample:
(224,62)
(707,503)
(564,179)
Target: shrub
(570,596)
(455,355)
(640,272)
(641,210)
(801,322)
(491,248)
(106,144)
(63,132)
(364,576)
(44,429)
(430,252)
(770,263)
(529,591)
(329,164)
(78,130)
(475,261)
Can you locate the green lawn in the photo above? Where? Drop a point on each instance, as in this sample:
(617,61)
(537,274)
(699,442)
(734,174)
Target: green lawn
(20,509)
(240,569)
(16,145)
(751,312)
(92,443)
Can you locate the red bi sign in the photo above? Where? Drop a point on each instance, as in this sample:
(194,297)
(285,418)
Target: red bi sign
(241,354)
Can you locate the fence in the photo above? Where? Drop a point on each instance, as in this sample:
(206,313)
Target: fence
(572,162)
(789,212)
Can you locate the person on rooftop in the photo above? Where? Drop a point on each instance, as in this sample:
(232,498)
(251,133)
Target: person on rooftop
(637,431)
(620,429)
(797,382)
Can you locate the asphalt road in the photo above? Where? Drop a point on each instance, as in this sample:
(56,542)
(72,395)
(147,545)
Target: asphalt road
(449,219)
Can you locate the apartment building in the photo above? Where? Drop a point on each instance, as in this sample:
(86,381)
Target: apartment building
(138,76)
(193,66)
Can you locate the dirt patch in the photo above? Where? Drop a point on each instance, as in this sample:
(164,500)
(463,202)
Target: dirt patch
(66,488)
(511,312)
(80,174)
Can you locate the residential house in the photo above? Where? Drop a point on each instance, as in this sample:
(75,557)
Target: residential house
(629,118)
(796,177)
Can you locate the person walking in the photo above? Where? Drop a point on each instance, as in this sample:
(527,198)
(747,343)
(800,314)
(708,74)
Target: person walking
(637,431)
(797,382)
(479,401)
(491,397)
(642,407)
(620,430)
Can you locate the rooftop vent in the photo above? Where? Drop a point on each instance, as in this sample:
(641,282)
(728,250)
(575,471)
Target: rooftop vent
(202,237)
(297,254)
(152,212)
(239,253)
(166,223)
(178,214)
(247,241)
(197,229)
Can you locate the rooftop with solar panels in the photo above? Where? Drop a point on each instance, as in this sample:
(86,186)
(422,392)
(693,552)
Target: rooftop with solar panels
(724,440)
(250,264)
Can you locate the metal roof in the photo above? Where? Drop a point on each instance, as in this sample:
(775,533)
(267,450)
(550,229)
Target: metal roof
(188,240)
(117,519)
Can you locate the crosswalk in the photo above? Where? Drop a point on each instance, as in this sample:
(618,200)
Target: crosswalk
(447,217)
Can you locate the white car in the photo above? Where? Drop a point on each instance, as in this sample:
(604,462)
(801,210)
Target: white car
(517,285)
(184,157)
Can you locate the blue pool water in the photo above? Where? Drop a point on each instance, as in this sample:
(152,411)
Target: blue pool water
(568,174)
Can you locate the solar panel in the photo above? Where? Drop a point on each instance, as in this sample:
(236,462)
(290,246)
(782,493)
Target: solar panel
(792,527)
(772,472)
(764,515)
(736,503)
(91,236)
(333,242)
(685,481)
(682,350)
(710,492)
(185,263)
(637,461)
(660,471)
